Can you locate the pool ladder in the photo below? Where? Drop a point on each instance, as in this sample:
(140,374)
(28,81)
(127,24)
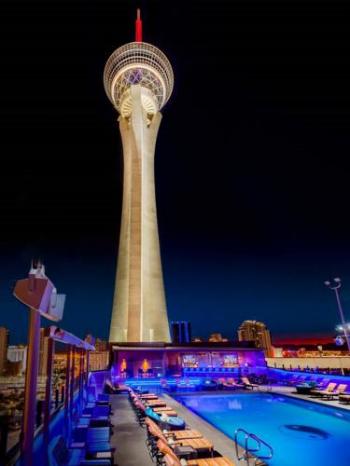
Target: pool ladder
(250,453)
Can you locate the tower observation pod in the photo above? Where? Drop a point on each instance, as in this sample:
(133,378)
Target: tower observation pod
(138,80)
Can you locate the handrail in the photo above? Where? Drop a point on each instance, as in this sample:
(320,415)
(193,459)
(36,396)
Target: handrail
(265,444)
(237,432)
(249,452)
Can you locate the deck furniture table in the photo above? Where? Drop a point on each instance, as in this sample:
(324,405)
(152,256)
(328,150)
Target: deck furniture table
(184,451)
(304,389)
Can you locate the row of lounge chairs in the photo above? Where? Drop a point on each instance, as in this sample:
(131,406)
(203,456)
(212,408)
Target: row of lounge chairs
(90,445)
(301,379)
(332,391)
(243,383)
(221,383)
(169,443)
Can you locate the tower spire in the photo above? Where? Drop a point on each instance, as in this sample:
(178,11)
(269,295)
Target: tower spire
(138,26)
(138,80)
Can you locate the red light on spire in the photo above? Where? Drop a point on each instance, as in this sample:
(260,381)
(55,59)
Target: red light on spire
(138,27)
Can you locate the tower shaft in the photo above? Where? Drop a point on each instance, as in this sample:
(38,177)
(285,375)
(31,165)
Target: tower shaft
(139,307)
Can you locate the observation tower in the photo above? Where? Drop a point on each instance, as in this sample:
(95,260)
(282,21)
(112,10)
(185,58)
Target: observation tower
(138,80)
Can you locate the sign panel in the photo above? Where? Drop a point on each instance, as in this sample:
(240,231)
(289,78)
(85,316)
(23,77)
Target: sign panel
(38,293)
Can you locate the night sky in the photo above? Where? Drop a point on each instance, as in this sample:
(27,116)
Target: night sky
(252,161)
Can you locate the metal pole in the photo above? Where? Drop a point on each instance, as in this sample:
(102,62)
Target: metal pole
(81,378)
(31,388)
(72,381)
(87,367)
(67,391)
(342,318)
(48,389)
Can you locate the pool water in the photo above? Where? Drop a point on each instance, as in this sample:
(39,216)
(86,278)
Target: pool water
(301,433)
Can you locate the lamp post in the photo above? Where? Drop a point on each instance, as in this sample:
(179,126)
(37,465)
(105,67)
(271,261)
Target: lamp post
(335,286)
(39,294)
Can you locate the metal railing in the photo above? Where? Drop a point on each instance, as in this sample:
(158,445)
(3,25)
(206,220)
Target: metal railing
(252,455)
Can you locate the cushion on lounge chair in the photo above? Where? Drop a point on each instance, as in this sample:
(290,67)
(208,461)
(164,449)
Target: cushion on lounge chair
(185,434)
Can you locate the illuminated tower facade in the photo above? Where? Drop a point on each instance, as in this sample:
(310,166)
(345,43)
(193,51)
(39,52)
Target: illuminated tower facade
(138,80)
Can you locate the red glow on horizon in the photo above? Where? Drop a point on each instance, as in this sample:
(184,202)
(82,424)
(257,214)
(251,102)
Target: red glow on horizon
(300,340)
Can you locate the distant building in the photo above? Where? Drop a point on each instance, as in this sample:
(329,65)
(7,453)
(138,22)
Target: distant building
(18,354)
(101,345)
(181,331)
(98,360)
(60,360)
(4,339)
(216,337)
(252,330)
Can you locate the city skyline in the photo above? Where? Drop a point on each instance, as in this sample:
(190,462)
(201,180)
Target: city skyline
(251,180)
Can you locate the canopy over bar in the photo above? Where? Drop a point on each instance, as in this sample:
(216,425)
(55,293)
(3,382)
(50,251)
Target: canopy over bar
(58,334)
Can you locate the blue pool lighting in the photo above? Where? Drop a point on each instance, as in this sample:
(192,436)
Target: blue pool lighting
(301,433)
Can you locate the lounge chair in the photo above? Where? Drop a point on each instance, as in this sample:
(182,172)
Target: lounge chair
(227,383)
(162,409)
(320,393)
(183,434)
(60,455)
(199,446)
(108,388)
(175,434)
(167,411)
(344,398)
(171,423)
(155,403)
(338,391)
(247,384)
(171,459)
(149,396)
(232,384)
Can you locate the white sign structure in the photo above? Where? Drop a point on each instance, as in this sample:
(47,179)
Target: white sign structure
(38,293)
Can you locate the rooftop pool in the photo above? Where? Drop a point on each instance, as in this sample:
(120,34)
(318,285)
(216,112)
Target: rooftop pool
(301,433)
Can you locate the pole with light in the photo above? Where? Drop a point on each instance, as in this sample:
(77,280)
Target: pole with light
(335,286)
(40,295)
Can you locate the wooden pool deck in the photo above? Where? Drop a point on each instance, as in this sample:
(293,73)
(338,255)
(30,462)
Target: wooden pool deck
(129,438)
